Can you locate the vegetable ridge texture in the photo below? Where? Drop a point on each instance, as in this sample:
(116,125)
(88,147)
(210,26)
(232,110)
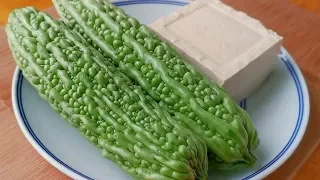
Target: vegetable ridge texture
(176,85)
(124,123)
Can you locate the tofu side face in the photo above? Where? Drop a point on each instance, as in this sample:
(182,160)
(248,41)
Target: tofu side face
(229,47)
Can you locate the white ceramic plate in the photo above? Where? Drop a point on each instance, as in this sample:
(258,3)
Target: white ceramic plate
(279,109)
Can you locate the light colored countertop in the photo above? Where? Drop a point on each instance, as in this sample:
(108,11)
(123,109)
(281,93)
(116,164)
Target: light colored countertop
(300,29)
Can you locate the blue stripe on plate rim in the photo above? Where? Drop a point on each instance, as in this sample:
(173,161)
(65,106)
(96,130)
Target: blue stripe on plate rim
(243,103)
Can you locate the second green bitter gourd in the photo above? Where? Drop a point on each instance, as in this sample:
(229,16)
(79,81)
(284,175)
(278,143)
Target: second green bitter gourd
(176,85)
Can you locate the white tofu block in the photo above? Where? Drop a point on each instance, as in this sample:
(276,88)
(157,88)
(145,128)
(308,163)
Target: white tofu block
(229,47)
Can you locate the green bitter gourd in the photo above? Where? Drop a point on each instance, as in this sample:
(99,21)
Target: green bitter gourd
(176,85)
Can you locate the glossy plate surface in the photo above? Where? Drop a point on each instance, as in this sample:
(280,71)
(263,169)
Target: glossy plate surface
(279,109)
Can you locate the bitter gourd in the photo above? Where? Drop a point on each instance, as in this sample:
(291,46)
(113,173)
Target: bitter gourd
(93,96)
(176,85)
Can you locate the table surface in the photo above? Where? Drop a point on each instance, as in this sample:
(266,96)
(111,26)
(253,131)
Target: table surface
(300,29)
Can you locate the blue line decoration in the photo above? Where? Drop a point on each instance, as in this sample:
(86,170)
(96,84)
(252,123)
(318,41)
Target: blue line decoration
(169,2)
(243,103)
(299,121)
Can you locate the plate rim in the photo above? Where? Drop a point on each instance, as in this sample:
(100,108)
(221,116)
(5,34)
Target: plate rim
(267,169)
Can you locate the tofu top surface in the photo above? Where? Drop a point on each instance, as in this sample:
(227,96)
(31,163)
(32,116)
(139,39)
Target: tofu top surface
(216,36)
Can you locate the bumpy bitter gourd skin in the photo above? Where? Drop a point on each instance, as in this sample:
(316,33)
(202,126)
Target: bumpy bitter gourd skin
(93,96)
(158,69)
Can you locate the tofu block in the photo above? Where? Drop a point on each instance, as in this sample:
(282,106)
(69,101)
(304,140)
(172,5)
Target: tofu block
(229,47)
